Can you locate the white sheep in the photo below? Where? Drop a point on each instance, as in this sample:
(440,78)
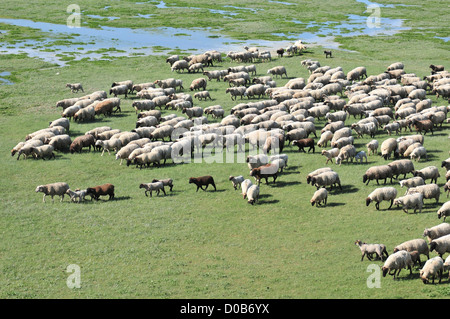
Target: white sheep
(325,137)
(372,147)
(397,261)
(236,181)
(429,172)
(245,185)
(444,211)
(370,249)
(432,268)
(330,154)
(113,144)
(410,201)
(75,87)
(419,153)
(436,231)
(53,189)
(278,70)
(326,179)
(387,147)
(429,191)
(76,194)
(253,194)
(412,182)
(360,156)
(381,194)
(151,187)
(43,151)
(317,172)
(320,197)
(255,161)
(441,245)
(419,245)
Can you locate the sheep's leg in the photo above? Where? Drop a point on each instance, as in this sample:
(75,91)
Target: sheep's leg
(43,200)
(392,202)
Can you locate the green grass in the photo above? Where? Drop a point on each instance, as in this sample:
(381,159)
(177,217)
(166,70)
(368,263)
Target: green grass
(192,244)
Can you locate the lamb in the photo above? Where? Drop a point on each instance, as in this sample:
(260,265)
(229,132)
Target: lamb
(432,268)
(75,87)
(444,211)
(387,147)
(109,145)
(253,194)
(412,182)
(429,172)
(320,196)
(53,189)
(305,142)
(245,185)
(392,127)
(372,147)
(154,186)
(326,179)
(381,194)
(429,191)
(278,70)
(101,190)
(82,141)
(202,181)
(397,261)
(436,231)
(167,182)
(377,173)
(361,155)
(80,194)
(236,181)
(410,201)
(265,171)
(330,154)
(418,245)
(43,151)
(370,249)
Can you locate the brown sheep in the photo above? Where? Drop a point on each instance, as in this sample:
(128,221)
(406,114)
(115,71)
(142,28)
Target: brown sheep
(202,181)
(424,125)
(265,171)
(305,142)
(102,190)
(198,84)
(82,141)
(107,106)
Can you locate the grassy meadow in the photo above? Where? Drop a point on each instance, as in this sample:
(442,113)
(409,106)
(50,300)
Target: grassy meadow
(192,244)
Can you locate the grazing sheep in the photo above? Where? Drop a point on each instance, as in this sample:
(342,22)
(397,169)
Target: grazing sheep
(101,190)
(109,145)
(180,65)
(370,249)
(441,245)
(372,147)
(53,189)
(64,122)
(253,194)
(202,181)
(325,137)
(418,245)
(330,154)
(77,194)
(154,186)
(245,185)
(429,191)
(343,141)
(107,106)
(446,164)
(361,156)
(265,171)
(424,126)
(317,172)
(397,261)
(387,147)
(43,151)
(125,151)
(326,179)
(82,141)
(429,172)
(436,231)
(345,153)
(320,196)
(119,90)
(278,70)
(191,112)
(198,84)
(381,194)
(237,181)
(167,182)
(432,268)
(400,167)
(85,114)
(255,90)
(203,95)
(377,173)
(75,87)
(302,143)
(412,182)
(410,201)
(444,211)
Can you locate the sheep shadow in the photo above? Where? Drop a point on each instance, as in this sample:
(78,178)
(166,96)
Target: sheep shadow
(263,201)
(283,183)
(333,204)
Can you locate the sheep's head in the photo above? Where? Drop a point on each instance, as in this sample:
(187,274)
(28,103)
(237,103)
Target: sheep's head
(141,185)
(385,271)
(368,201)
(426,233)
(398,201)
(365,178)
(192,180)
(40,188)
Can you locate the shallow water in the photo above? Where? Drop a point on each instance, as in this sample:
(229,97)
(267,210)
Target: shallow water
(5,81)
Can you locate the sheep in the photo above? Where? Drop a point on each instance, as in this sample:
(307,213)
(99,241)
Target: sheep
(236,181)
(101,190)
(317,172)
(325,137)
(75,87)
(436,231)
(387,147)
(446,164)
(167,182)
(64,122)
(258,160)
(202,95)
(253,194)
(202,181)
(109,145)
(265,171)
(85,114)
(119,90)
(154,186)
(432,268)
(380,194)
(429,191)
(418,245)
(343,141)
(361,155)
(147,158)
(400,167)
(198,84)
(429,172)
(372,147)
(447,188)
(43,151)
(127,83)
(236,91)
(326,179)
(441,245)
(305,142)
(412,182)
(125,151)
(444,211)
(67,102)
(410,201)
(295,134)
(216,74)
(82,141)
(60,142)
(180,65)
(142,86)
(336,116)
(345,153)
(245,185)
(80,194)
(143,105)
(330,154)
(397,261)
(162,132)
(191,112)
(255,90)
(370,249)
(106,107)
(377,173)
(320,196)
(59,188)
(278,70)
(392,127)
